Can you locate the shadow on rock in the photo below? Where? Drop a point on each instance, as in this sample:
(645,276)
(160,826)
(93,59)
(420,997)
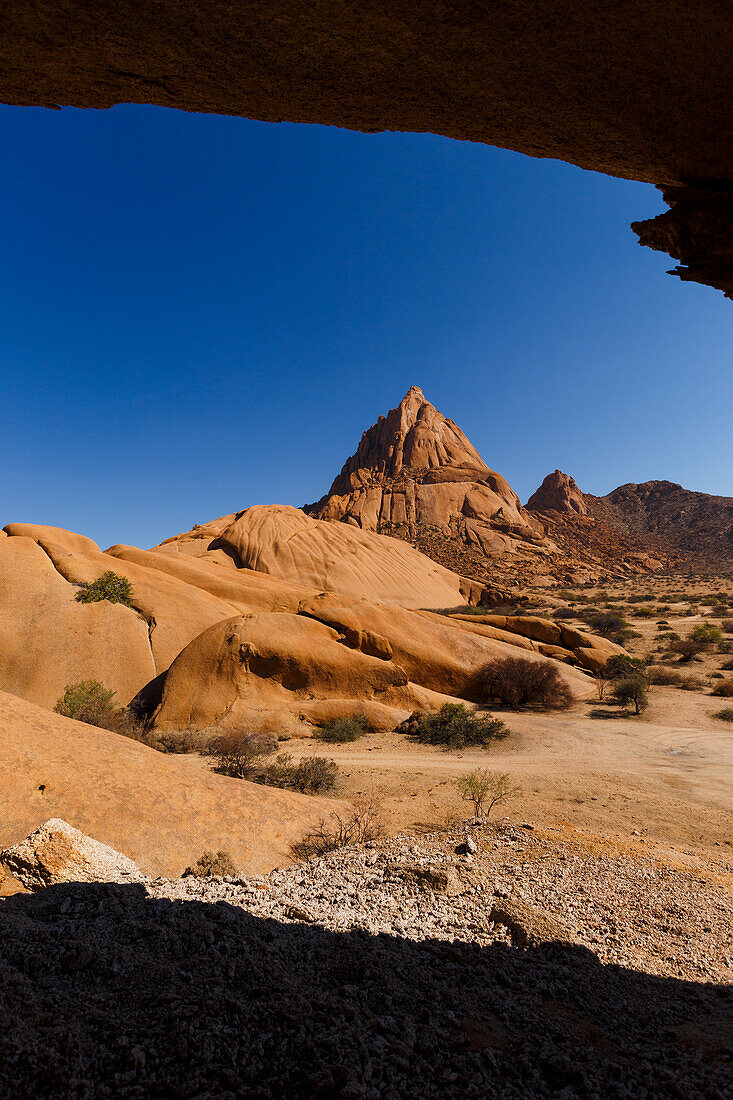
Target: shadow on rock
(107,992)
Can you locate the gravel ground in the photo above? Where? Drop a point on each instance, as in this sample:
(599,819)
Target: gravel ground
(530,967)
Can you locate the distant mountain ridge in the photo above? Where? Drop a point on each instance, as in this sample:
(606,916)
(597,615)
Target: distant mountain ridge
(682,527)
(696,528)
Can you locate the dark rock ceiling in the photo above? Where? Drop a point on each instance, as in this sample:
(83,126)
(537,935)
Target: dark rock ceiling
(639,88)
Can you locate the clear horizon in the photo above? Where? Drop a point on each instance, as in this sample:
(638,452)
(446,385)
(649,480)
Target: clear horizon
(203,313)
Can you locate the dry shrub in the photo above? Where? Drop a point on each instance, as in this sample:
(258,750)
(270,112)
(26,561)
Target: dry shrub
(693,683)
(240,754)
(310,775)
(359,824)
(518,682)
(212,865)
(727,625)
(665,677)
(177,742)
(725,690)
(725,715)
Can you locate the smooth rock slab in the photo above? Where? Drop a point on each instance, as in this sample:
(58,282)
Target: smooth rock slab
(56,852)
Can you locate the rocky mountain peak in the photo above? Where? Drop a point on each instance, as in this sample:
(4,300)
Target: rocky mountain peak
(415,475)
(559,492)
(413,437)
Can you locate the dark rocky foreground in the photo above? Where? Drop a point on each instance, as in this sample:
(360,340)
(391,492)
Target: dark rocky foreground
(388,972)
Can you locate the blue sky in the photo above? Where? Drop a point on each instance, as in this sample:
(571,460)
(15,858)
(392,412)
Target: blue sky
(201,313)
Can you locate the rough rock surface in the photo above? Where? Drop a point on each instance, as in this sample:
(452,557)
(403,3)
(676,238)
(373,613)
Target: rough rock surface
(160,810)
(276,671)
(48,639)
(417,477)
(56,852)
(360,976)
(415,468)
(667,519)
(284,543)
(638,91)
(558,493)
(593,544)
(270,671)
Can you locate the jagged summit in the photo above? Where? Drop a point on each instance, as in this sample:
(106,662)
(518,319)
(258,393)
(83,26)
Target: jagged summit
(414,436)
(559,492)
(416,475)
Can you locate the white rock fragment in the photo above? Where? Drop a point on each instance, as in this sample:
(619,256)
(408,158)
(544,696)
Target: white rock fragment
(56,852)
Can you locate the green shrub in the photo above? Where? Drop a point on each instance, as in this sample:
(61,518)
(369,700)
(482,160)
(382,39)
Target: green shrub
(707,634)
(610,625)
(212,865)
(519,682)
(726,714)
(344,729)
(454,727)
(89,701)
(110,586)
(310,775)
(632,690)
(621,666)
(645,613)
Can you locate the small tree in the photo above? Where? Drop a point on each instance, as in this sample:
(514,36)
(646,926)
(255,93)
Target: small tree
(610,625)
(88,701)
(240,754)
(486,789)
(688,648)
(632,690)
(109,586)
(601,678)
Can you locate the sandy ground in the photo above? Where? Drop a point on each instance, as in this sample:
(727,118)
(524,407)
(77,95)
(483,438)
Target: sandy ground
(661,783)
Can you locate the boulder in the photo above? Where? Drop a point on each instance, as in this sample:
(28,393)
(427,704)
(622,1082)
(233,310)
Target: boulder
(288,545)
(56,852)
(529,925)
(438,652)
(48,640)
(267,667)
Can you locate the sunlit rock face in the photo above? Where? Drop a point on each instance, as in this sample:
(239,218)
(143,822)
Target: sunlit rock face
(415,473)
(559,492)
